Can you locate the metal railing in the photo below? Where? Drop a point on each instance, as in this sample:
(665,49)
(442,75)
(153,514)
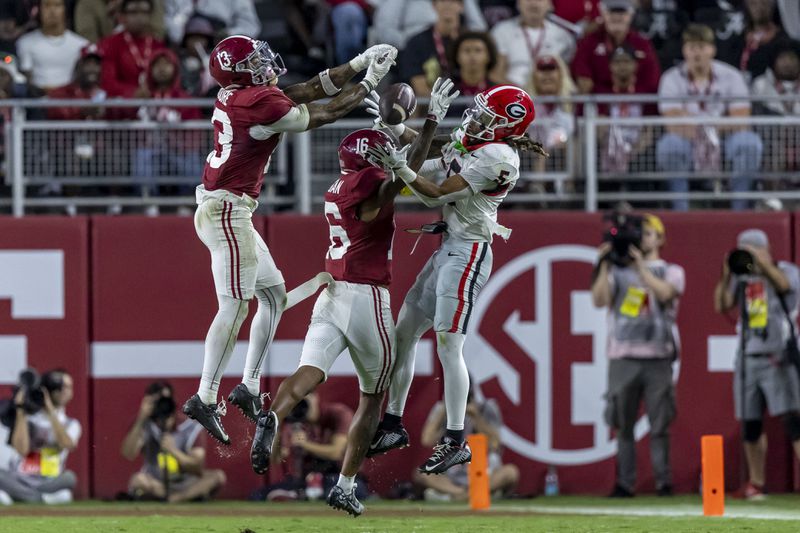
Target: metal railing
(595,160)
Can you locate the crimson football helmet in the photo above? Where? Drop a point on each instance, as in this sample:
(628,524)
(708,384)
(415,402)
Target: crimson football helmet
(240,60)
(497,113)
(353,149)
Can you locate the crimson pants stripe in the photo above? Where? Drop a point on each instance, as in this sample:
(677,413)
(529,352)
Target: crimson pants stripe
(461,286)
(236,248)
(230,245)
(383,341)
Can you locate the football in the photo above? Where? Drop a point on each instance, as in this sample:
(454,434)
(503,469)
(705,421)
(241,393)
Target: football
(397,104)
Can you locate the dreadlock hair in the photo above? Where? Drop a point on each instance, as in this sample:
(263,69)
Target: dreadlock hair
(523,143)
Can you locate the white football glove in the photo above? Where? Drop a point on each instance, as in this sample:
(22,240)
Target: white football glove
(371,101)
(441,98)
(362,60)
(378,68)
(393,160)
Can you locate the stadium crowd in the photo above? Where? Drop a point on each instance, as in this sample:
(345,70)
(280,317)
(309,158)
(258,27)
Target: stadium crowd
(106,49)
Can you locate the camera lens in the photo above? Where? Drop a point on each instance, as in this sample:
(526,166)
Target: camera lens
(741,262)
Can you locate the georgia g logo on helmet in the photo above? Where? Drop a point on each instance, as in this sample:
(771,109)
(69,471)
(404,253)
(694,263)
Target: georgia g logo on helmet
(515,110)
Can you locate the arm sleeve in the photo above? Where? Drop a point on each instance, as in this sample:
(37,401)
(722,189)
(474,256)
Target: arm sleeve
(274,112)
(676,277)
(474,17)
(431,166)
(74,430)
(487,173)
(24,54)
(581,65)
(364,184)
(668,88)
(501,43)
(649,69)
(245,20)
(738,88)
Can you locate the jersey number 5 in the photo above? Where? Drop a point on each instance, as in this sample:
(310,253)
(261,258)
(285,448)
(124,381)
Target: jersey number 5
(340,242)
(224,138)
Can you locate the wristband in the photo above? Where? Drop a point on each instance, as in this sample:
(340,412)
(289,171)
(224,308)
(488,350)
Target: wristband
(406,174)
(367,85)
(432,117)
(327,84)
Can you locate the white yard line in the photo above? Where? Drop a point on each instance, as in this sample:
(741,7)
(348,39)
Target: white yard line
(676,511)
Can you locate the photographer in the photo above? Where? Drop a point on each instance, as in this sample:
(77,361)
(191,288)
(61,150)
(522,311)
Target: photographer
(309,450)
(42,435)
(173,460)
(768,295)
(641,292)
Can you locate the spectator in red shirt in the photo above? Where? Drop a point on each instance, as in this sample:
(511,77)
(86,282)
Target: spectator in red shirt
(129,52)
(591,67)
(309,450)
(474,55)
(85,85)
(167,152)
(583,13)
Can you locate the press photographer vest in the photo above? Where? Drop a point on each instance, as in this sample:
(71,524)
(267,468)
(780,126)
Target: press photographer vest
(767,323)
(639,325)
(157,461)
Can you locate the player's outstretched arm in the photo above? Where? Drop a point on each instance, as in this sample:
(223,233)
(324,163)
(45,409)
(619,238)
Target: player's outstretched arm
(321,114)
(390,188)
(329,82)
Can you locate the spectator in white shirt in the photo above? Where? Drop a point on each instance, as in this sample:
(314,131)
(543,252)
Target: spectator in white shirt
(781,79)
(231,17)
(397,21)
(698,147)
(522,39)
(48,55)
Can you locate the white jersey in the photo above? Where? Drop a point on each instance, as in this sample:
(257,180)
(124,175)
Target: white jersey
(491,172)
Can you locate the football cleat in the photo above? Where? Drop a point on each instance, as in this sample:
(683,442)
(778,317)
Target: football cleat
(261,451)
(388,439)
(207,416)
(347,502)
(248,404)
(447,454)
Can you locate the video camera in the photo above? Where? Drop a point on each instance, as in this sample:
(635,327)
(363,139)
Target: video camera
(33,386)
(623,230)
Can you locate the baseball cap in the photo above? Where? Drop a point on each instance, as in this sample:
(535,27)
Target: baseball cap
(619,5)
(698,33)
(753,237)
(546,62)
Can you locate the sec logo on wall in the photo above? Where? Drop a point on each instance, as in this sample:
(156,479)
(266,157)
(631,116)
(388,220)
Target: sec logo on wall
(531,285)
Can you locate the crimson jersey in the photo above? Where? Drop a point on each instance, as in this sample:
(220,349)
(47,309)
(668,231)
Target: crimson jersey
(242,145)
(360,252)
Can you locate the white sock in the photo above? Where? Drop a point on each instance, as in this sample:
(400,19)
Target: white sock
(270,308)
(220,341)
(346,482)
(456,377)
(411,324)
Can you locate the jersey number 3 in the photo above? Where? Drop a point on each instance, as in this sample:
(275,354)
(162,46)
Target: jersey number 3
(224,138)
(340,242)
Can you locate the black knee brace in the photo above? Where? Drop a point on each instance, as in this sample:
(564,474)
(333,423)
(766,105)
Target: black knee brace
(791,422)
(752,430)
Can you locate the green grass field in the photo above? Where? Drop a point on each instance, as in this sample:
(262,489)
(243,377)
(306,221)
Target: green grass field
(569,513)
